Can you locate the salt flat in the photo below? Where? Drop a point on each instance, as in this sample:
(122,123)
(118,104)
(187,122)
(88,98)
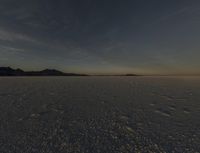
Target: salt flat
(99,114)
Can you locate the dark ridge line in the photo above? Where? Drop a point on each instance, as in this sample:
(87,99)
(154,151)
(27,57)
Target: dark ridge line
(8,71)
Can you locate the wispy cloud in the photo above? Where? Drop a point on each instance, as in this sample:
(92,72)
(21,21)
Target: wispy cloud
(6,35)
(7,50)
(174,14)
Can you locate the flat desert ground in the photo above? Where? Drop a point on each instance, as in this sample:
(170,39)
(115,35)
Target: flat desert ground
(99,114)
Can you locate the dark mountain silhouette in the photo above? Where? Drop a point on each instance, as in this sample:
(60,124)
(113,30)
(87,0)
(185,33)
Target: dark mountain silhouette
(7,71)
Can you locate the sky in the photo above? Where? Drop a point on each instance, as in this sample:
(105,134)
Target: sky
(101,36)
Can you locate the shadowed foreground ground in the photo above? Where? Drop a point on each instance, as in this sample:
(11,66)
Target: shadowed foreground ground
(99,114)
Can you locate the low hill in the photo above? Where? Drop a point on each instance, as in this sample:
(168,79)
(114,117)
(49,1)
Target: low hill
(8,71)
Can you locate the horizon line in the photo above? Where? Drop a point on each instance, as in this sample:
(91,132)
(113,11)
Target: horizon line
(106,74)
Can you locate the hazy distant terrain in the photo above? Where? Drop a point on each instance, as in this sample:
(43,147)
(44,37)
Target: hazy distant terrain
(99,114)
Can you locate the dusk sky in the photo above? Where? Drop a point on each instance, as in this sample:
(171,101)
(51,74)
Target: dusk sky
(101,36)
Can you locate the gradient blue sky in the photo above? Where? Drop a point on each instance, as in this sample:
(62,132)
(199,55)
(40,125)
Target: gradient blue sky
(101,36)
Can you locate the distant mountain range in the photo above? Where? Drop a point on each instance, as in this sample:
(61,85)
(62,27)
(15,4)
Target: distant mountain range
(8,71)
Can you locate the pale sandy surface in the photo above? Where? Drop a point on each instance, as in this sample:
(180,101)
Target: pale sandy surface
(99,114)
